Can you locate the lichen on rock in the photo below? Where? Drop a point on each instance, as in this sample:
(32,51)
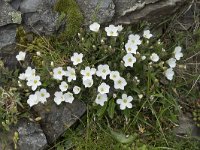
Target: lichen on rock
(16,17)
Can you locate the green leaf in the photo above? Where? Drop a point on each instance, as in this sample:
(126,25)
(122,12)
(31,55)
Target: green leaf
(122,138)
(102,110)
(60,147)
(111,108)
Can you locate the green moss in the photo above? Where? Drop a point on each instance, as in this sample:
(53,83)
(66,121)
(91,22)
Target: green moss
(74,17)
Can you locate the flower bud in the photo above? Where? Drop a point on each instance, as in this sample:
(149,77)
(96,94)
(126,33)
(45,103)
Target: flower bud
(143,57)
(102,41)
(114,95)
(140,96)
(52,64)
(19,84)
(38,53)
(159,42)
(182,66)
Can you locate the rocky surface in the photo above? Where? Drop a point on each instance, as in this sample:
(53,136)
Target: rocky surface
(7,38)
(31,136)
(187,127)
(129,11)
(97,10)
(8,15)
(56,119)
(39,16)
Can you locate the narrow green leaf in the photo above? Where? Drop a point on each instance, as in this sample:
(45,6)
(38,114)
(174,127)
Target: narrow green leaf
(111,108)
(102,110)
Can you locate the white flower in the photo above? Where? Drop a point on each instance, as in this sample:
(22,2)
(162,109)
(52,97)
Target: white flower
(32,100)
(76,89)
(147,34)
(94,27)
(101,99)
(177,52)
(111,30)
(129,60)
(22,76)
(59,98)
(154,57)
(88,73)
(143,57)
(34,82)
(88,83)
(42,95)
(134,39)
(103,71)
(114,75)
(58,73)
(171,62)
(131,48)
(103,88)
(71,74)
(63,86)
(29,73)
(120,83)
(21,56)
(68,97)
(120,28)
(125,102)
(169,73)
(77,58)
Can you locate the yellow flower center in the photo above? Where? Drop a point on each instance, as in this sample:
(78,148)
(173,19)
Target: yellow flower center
(59,72)
(125,100)
(129,60)
(119,82)
(78,60)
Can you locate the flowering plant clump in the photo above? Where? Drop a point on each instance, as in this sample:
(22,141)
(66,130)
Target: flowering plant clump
(112,67)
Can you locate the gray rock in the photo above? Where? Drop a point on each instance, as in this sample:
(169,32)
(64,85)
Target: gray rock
(31,137)
(39,16)
(8,15)
(28,6)
(97,10)
(7,38)
(132,11)
(15,4)
(57,119)
(42,23)
(187,127)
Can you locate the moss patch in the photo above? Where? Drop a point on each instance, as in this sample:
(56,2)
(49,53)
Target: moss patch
(74,17)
